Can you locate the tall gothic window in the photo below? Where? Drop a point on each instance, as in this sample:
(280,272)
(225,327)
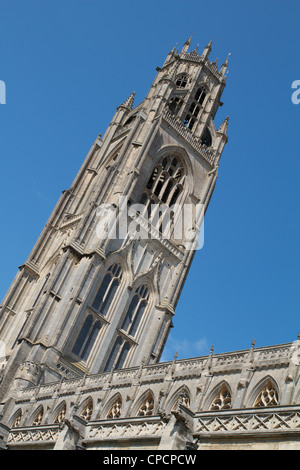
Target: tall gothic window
(108,289)
(206,138)
(195,107)
(124,342)
(118,354)
(86,338)
(102,302)
(135,311)
(162,192)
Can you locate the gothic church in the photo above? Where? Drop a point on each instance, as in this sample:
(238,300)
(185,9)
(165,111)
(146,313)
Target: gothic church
(85,321)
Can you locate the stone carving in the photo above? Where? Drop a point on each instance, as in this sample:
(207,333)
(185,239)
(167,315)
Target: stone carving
(126,430)
(50,434)
(236,422)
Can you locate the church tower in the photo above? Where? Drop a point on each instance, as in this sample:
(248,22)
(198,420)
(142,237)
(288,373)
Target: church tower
(99,290)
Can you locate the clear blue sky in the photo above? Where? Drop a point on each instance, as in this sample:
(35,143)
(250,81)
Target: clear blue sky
(68,64)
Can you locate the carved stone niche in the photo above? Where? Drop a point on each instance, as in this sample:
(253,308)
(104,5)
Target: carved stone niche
(28,374)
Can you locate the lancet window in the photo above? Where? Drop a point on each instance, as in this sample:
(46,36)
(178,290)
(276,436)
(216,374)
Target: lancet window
(108,289)
(130,324)
(195,107)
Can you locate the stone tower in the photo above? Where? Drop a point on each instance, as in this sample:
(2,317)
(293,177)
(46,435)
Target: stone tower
(85,303)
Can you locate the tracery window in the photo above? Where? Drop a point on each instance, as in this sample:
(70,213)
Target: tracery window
(118,354)
(108,289)
(181,81)
(38,418)
(183,399)
(87,410)
(17,420)
(129,328)
(162,191)
(223,400)
(87,337)
(195,107)
(267,397)
(146,409)
(61,414)
(115,410)
(135,310)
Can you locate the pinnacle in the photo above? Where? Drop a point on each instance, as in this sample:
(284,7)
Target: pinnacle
(188,41)
(224,126)
(225,65)
(129,102)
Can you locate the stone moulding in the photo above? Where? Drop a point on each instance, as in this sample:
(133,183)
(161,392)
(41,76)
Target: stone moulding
(151,427)
(279,419)
(41,434)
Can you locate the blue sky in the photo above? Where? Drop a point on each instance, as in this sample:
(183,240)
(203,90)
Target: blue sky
(68,64)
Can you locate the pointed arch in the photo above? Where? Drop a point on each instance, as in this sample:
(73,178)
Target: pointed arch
(264,394)
(16,418)
(182,155)
(114,407)
(220,398)
(60,413)
(150,278)
(38,416)
(145,405)
(182,395)
(258,388)
(86,409)
(108,288)
(135,310)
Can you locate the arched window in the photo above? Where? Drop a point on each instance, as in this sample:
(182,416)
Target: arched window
(206,138)
(38,417)
(200,95)
(131,322)
(86,338)
(181,81)
(61,414)
(87,410)
(267,397)
(146,409)
(115,410)
(135,311)
(195,107)
(17,420)
(183,399)
(108,289)
(118,354)
(162,191)
(223,399)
